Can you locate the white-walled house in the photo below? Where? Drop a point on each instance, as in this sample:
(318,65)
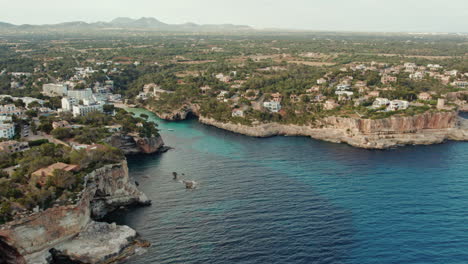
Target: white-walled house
(272,106)
(343,87)
(398,105)
(237,113)
(379,102)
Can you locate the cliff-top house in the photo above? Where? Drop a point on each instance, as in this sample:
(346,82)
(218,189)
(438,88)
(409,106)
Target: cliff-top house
(40,176)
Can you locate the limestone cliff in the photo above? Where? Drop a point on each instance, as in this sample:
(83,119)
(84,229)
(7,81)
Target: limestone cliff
(134,144)
(394,125)
(178,114)
(424,129)
(30,239)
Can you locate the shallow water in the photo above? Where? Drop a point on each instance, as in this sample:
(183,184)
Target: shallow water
(298,200)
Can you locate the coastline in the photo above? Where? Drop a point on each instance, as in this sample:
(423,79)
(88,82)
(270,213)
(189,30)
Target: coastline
(424,129)
(72,232)
(334,135)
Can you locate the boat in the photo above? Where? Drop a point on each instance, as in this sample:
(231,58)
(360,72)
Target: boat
(170,129)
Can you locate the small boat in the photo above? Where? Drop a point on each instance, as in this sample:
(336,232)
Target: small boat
(170,129)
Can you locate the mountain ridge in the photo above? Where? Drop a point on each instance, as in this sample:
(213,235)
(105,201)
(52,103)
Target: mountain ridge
(143,23)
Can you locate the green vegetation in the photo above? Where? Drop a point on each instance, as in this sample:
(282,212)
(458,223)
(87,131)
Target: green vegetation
(19,192)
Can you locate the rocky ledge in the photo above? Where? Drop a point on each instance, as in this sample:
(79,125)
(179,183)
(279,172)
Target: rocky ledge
(70,232)
(179,114)
(423,129)
(98,242)
(134,144)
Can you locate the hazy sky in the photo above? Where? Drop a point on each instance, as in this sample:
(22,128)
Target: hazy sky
(357,15)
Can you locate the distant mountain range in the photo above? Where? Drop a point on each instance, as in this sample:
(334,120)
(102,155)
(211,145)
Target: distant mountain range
(144,23)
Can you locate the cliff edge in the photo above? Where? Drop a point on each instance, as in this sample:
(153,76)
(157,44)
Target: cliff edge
(134,144)
(423,129)
(65,230)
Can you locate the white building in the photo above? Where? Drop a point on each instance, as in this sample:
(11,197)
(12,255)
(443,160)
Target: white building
(398,105)
(237,113)
(417,75)
(68,103)
(321,81)
(5,119)
(20,74)
(7,130)
(452,73)
(114,97)
(434,67)
(379,102)
(347,93)
(223,78)
(86,94)
(343,87)
(10,110)
(83,110)
(52,89)
(460,84)
(272,106)
(222,96)
(142,96)
(410,67)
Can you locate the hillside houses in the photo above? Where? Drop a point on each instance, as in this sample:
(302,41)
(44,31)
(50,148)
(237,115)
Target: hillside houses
(386,79)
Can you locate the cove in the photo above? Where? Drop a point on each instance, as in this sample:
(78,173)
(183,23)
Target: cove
(298,200)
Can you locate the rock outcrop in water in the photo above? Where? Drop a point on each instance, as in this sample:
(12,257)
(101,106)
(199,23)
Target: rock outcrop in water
(134,144)
(70,229)
(423,129)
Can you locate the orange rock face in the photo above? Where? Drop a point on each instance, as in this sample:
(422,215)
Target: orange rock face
(395,125)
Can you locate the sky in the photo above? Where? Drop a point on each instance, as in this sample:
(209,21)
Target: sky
(337,15)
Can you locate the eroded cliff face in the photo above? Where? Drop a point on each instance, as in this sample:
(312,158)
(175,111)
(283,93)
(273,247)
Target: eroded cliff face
(424,129)
(133,144)
(106,189)
(394,125)
(113,189)
(179,114)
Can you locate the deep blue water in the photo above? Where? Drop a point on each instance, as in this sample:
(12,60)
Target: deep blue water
(298,200)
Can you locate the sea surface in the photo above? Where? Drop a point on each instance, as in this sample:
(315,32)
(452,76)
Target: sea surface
(298,200)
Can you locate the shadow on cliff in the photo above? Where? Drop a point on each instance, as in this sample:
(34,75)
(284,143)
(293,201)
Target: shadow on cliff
(9,254)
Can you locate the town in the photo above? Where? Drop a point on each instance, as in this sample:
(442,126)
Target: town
(276,86)
(64,109)
(254,145)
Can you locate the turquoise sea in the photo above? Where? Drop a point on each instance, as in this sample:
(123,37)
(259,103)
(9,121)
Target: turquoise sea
(298,200)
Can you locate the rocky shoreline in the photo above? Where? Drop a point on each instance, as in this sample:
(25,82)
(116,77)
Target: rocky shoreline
(336,135)
(424,129)
(134,144)
(70,231)
(179,114)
